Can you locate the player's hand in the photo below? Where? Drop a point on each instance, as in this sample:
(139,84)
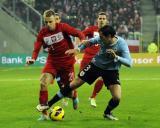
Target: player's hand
(72,52)
(110,53)
(30,61)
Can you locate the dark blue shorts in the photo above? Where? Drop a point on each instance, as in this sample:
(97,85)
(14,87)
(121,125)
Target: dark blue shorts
(91,72)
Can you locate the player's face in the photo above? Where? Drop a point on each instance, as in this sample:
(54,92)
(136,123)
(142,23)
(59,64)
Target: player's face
(107,40)
(50,22)
(102,21)
(58,19)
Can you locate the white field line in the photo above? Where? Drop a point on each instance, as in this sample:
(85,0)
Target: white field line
(19,68)
(18,79)
(127,79)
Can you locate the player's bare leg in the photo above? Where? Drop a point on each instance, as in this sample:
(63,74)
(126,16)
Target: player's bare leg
(114,101)
(65,91)
(97,88)
(45,80)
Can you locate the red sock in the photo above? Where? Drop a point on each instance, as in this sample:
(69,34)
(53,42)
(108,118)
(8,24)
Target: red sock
(75,95)
(97,87)
(43,97)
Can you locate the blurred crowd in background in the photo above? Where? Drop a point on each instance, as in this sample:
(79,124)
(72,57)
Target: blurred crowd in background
(124,15)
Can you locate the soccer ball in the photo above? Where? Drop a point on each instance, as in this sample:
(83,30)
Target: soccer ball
(57,113)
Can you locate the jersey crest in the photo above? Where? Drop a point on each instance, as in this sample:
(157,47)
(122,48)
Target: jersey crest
(55,38)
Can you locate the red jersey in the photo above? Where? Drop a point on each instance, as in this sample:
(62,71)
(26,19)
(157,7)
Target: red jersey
(58,41)
(91,32)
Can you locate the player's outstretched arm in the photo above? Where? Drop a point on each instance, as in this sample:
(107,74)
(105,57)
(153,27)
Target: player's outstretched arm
(36,50)
(81,47)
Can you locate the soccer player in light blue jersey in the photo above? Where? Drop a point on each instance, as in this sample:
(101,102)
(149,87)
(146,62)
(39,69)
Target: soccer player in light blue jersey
(106,64)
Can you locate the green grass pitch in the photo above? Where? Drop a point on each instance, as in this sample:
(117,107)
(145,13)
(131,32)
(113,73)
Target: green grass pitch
(139,107)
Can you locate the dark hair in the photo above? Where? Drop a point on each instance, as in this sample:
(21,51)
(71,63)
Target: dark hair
(107,30)
(56,14)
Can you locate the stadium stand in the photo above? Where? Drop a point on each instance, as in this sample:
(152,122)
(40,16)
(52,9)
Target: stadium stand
(25,13)
(125,15)
(14,37)
(156,4)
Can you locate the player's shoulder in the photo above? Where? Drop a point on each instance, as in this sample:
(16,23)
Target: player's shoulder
(121,41)
(43,30)
(62,24)
(92,28)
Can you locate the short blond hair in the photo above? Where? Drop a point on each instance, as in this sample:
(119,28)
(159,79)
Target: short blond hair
(48,13)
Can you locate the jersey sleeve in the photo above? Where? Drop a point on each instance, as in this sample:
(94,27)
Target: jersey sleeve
(125,57)
(73,31)
(86,32)
(37,46)
(90,42)
(94,40)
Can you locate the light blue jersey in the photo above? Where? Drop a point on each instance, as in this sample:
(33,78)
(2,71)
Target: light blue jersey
(121,49)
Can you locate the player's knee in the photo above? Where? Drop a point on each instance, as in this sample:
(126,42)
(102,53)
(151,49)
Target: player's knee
(43,87)
(76,83)
(46,79)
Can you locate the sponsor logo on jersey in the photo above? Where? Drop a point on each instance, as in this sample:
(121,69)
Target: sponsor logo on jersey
(55,38)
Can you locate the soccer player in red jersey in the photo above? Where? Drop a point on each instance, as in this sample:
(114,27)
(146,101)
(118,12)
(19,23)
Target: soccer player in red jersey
(58,20)
(90,52)
(45,49)
(57,38)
